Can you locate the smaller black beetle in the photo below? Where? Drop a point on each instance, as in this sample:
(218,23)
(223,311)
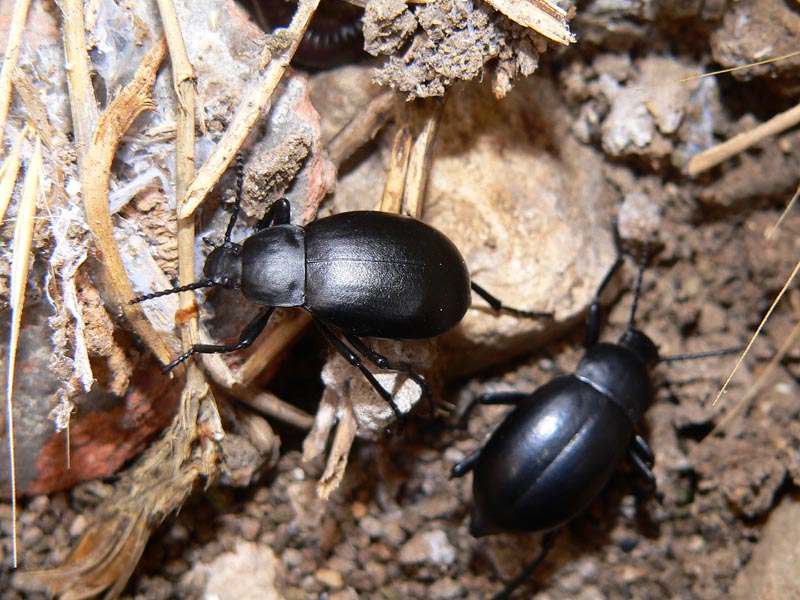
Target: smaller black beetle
(363,274)
(555,452)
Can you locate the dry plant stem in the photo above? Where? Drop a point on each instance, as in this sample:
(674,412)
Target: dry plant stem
(425,116)
(115,121)
(758,331)
(81,93)
(741,142)
(744,404)
(21,252)
(252,108)
(8,174)
(340,450)
(395,185)
(274,345)
(54,140)
(18,18)
(543,16)
(183,79)
(62,152)
(271,405)
(362,129)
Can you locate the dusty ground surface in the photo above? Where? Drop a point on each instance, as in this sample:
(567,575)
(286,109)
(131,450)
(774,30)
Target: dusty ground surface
(397,528)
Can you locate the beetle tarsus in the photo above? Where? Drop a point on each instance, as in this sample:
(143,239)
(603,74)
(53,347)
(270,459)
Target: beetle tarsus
(466,465)
(355,360)
(547,543)
(384,363)
(642,458)
(498,305)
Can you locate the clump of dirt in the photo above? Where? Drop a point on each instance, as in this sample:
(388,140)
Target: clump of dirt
(433,45)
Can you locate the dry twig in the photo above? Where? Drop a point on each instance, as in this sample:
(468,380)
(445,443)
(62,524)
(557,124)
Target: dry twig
(739,143)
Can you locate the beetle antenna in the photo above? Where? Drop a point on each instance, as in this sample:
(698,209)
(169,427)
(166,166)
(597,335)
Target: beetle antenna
(184,288)
(710,354)
(238,203)
(638,289)
(547,543)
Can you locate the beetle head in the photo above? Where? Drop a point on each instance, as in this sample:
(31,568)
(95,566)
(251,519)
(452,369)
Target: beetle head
(641,345)
(224,266)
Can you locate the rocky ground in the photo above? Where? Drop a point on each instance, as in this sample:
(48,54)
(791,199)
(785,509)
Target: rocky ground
(397,527)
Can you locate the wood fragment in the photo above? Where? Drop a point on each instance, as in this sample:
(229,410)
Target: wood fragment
(362,129)
(425,116)
(543,16)
(270,404)
(340,450)
(21,258)
(396,172)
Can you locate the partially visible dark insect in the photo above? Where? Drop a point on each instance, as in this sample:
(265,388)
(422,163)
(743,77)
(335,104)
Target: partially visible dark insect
(333,38)
(555,452)
(359,274)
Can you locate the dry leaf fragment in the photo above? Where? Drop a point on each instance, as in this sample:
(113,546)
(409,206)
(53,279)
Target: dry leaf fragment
(543,16)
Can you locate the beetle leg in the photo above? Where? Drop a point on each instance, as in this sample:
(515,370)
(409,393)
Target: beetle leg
(249,334)
(498,305)
(640,446)
(466,465)
(643,459)
(355,360)
(547,543)
(493,398)
(593,320)
(278,213)
(503,398)
(382,362)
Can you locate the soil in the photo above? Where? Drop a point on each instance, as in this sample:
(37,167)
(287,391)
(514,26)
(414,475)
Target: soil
(398,525)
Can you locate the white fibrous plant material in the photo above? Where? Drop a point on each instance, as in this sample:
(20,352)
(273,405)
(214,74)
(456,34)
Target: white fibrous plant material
(71,239)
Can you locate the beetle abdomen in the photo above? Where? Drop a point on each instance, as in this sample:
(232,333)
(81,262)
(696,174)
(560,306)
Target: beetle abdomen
(377,274)
(549,459)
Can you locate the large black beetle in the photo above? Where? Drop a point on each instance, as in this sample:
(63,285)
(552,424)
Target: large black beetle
(360,274)
(558,448)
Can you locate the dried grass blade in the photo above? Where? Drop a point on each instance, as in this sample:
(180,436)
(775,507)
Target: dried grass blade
(18,19)
(23,236)
(8,174)
(758,331)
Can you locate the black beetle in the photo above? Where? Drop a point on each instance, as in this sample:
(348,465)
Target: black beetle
(558,448)
(364,274)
